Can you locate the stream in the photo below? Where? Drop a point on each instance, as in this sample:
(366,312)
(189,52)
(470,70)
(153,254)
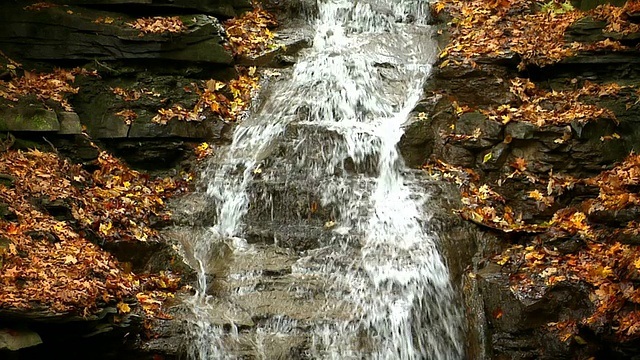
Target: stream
(317,246)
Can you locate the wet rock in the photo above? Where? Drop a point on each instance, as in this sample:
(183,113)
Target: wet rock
(518,320)
(290,42)
(42,236)
(456,155)
(566,245)
(150,256)
(60,209)
(99,336)
(422,130)
(472,122)
(97,106)
(486,85)
(417,142)
(520,130)
(494,158)
(4,210)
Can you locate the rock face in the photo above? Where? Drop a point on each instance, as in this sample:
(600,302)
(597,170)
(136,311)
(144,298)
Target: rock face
(503,323)
(158,67)
(219,8)
(73,33)
(125,58)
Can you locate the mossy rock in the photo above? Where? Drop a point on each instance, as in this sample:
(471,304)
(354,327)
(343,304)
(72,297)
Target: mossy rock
(28,115)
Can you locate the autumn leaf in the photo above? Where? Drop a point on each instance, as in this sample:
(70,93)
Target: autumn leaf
(497,313)
(123,308)
(70,259)
(519,164)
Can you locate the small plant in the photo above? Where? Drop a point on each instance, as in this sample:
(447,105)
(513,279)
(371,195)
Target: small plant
(555,7)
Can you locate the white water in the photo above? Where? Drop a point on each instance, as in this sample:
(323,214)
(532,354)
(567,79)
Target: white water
(382,271)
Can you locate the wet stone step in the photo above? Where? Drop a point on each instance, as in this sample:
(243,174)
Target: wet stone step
(298,237)
(314,201)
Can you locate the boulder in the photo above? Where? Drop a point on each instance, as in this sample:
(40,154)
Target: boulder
(11,339)
(69,123)
(28,115)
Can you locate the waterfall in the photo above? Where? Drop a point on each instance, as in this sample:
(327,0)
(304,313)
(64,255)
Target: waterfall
(381,290)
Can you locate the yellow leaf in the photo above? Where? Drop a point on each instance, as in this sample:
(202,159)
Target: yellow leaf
(487,157)
(445,63)
(108,20)
(580,340)
(123,308)
(70,259)
(105,227)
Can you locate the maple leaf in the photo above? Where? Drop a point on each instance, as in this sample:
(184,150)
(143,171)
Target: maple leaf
(519,164)
(70,259)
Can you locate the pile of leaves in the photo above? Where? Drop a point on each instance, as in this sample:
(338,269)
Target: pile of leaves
(609,269)
(50,260)
(249,35)
(227,100)
(541,107)
(45,86)
(121,202)
(532,30)
(155,290)
(46,262)
(617,18)
(159,25)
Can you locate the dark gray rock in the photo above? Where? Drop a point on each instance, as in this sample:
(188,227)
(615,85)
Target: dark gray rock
(592,4)
(494,158)
(490,131)
(69,123)
(27,115)
(222,8)
(417,142)
(586,30)
(520,130)
(69,33)
(456,155)
(429,119)
(518,320)
(486,85)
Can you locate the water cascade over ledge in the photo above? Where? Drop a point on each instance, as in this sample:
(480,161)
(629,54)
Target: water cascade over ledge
(371,283)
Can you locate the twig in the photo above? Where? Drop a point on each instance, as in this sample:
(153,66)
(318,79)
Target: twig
(105,66)
(8,143)
(50,144)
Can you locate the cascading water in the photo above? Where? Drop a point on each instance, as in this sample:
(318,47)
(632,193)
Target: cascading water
(385,290)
